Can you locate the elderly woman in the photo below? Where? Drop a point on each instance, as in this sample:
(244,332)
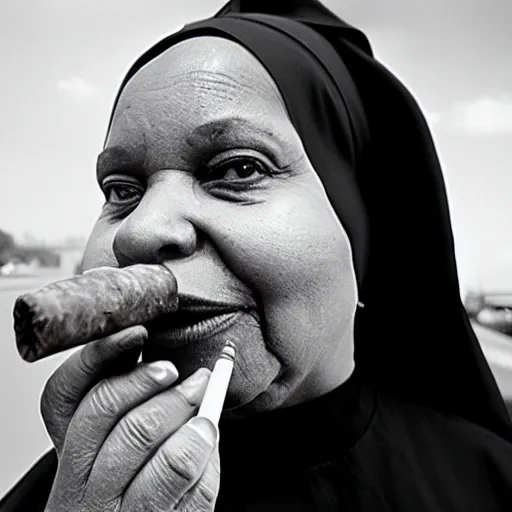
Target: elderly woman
(290,183)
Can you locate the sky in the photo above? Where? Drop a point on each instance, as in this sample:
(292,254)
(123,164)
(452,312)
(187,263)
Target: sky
(63,62)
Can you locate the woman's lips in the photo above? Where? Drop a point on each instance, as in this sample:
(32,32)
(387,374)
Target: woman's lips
(196,319)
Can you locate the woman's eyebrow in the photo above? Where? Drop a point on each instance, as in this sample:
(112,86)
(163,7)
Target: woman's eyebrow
(233,130)
(116,158)
(216,134)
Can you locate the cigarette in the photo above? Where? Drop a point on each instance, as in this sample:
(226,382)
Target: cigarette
(216,390)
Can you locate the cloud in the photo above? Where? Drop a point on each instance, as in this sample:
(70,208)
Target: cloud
(77,87)
(432,117)
(483,116)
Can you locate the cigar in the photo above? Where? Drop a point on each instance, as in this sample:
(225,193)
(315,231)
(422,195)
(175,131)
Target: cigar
(84,308)
(216,390)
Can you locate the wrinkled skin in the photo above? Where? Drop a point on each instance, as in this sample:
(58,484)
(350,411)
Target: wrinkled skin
(259,234)
(126,437)
(268,241)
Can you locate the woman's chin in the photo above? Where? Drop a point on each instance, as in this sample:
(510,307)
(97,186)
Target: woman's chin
(255,367)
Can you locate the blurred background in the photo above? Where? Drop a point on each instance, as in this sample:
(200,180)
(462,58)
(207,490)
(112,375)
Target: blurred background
(63,62)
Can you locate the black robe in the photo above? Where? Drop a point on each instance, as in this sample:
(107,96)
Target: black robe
(421,425)
(355,449)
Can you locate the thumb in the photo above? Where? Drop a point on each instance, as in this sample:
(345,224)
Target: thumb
(72,380)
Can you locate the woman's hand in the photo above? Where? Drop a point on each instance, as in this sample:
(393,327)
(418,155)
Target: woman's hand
(72,380)
(126,443)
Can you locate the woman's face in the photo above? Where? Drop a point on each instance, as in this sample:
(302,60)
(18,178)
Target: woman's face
(204,171)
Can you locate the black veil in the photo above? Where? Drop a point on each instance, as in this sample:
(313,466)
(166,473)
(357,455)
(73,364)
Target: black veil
(413,337)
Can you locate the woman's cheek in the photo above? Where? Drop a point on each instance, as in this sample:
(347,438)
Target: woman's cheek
(98,251)
(284,249)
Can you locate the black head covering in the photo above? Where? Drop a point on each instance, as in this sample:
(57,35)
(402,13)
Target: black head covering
(372,149)
(370,145)
(321,99)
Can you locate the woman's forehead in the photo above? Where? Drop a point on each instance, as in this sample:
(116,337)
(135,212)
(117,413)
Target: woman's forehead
(199,82)
(207,63)
(209,54)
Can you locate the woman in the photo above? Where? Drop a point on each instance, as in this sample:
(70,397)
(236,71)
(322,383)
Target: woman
(278,169)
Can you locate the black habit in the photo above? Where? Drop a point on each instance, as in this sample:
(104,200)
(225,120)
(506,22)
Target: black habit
(420,425)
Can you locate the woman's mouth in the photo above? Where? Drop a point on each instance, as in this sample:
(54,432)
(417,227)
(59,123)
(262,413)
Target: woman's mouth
(196,319)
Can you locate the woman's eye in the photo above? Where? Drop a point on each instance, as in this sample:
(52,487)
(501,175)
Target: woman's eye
(238,169)
(119,193)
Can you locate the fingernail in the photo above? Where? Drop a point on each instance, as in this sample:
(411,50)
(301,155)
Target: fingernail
(205,428)
(162,371)
(95,269)
(194,387)
(133,339)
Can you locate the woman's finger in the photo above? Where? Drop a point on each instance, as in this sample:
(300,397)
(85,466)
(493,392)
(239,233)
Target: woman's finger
(140,432)
(103,407)
(174,470)
(203,496)
(73,379)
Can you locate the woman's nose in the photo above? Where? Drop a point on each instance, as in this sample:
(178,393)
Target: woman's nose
(153,233)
